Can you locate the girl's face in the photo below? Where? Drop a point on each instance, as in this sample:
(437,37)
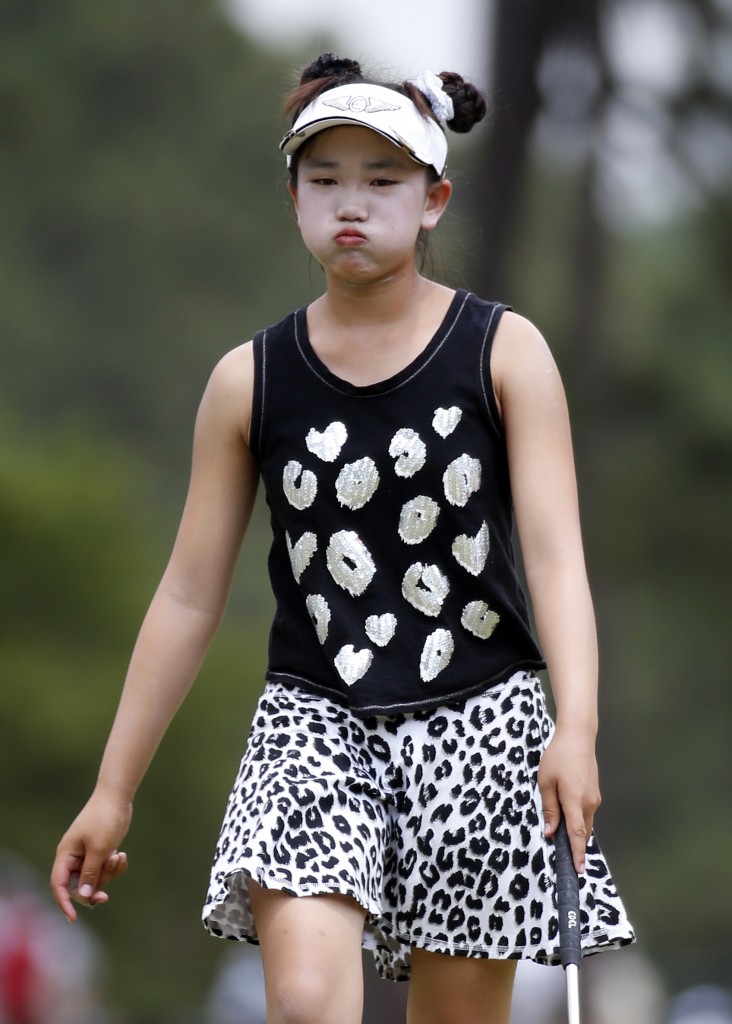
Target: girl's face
(361,203)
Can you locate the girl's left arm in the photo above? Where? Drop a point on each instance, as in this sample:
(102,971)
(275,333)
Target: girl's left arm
(534,410)
(180,623)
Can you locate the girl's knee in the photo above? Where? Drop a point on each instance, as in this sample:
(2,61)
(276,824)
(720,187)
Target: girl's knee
(311,949)
(298,997)
(459,990)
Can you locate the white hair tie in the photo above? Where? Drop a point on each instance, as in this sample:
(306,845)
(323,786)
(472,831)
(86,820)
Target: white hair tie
(433,89)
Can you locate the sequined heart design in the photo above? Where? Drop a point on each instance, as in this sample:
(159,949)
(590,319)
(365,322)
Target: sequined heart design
(472,552)
(479,620)
(351,664)
(381,628)
(327,444)
(445,420)
(319,612)
(436,654)
(301,553)
(300,486)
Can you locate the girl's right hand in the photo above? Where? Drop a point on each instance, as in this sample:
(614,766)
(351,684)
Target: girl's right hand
(87,857)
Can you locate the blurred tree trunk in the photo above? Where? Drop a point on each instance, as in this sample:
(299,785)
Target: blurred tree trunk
(518,35)
(524,33)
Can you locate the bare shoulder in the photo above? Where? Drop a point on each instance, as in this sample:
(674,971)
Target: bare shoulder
(519,340)
(521,360)
(234,372)
(228,395)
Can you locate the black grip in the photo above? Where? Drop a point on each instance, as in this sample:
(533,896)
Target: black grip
(568,905)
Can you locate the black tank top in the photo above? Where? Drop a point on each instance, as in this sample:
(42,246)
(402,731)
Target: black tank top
(391,561)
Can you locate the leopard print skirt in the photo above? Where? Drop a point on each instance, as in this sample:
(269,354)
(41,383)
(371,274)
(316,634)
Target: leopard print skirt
(431,821)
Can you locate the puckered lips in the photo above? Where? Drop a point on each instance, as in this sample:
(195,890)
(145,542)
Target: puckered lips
(350,237)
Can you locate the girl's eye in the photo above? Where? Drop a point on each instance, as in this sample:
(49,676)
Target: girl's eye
(383,182)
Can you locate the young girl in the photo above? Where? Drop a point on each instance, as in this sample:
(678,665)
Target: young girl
(402,781)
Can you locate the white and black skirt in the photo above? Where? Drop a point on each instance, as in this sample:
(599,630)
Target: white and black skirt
(431,821)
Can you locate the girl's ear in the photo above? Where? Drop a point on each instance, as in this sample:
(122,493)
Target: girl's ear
(292,189)
(438,196)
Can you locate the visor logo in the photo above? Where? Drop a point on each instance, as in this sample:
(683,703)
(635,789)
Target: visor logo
(361,104)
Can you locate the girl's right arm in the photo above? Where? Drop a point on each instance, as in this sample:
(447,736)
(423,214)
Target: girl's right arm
(177,630)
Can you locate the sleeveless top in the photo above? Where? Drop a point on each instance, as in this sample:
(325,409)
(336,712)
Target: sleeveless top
(391,560)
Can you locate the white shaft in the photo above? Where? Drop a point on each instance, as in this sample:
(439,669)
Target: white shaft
(573,1010)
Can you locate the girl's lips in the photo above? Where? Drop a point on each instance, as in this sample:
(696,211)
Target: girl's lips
(350,237)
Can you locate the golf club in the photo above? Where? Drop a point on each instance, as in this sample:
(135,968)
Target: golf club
(569,919)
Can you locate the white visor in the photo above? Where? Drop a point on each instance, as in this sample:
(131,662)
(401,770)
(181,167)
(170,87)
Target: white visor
(383,110)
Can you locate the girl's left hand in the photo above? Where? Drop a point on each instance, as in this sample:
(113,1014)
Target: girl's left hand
(113,867)
(568,784)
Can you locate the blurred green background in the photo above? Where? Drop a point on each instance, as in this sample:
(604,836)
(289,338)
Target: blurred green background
(145,230)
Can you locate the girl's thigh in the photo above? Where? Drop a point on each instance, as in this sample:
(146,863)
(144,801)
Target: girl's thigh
(459,990)
(311,951)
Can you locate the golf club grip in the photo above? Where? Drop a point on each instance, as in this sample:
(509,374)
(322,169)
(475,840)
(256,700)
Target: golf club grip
(567,899)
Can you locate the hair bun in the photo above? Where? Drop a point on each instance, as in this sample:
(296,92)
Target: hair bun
(468,104)
(328,65)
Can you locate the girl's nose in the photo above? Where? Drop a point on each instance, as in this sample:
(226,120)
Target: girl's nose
(352,207)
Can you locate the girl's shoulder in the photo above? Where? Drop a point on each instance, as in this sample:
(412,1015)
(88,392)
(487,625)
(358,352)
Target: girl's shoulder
(519,345)
(521,360)
(234,377)
(230,388)
(234,372)
(517,330)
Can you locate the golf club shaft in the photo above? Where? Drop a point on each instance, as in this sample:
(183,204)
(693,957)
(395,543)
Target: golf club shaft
(568,909)
(571,972)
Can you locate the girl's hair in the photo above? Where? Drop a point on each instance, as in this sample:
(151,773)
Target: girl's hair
(328,71)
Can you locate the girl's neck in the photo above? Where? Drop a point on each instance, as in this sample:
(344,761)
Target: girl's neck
(368,334)
(383,303)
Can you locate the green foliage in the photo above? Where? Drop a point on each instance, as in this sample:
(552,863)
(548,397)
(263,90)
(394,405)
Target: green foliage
(80,558)
(65,522)
(142,205)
